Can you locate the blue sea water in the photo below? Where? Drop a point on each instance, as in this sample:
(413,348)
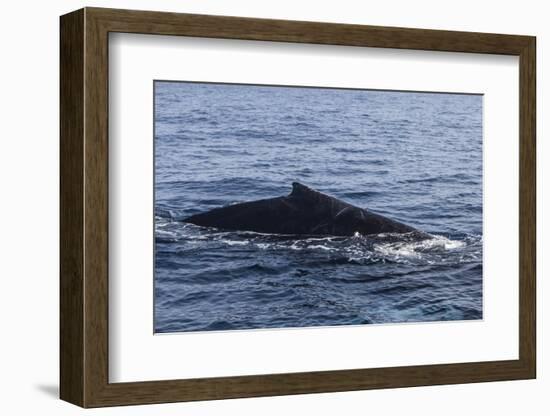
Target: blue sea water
(414,157)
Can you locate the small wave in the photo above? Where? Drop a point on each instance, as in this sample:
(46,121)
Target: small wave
(320,247)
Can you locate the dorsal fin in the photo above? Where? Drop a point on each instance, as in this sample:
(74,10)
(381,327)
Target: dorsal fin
(304,192)
(300,190)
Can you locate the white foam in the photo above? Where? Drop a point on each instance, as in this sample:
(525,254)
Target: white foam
(235,243)
(320,247)
(416,249)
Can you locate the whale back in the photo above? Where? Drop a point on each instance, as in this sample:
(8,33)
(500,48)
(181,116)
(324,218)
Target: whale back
(304,211)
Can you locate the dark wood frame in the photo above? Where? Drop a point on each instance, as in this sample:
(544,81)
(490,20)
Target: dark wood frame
(84,207)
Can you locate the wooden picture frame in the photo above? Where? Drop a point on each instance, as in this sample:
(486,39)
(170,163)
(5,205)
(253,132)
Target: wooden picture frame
(84,207)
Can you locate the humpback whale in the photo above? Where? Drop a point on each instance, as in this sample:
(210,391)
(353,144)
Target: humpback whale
(304,211)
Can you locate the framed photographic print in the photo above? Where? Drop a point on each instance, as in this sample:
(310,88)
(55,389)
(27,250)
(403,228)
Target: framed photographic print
(255,207)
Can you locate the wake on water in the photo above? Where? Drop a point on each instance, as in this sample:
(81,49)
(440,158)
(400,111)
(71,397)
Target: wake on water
(409,248)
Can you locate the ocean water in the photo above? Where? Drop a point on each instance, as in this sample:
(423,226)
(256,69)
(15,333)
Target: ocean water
(414,157)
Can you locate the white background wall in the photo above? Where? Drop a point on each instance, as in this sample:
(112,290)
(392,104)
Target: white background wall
(29,224)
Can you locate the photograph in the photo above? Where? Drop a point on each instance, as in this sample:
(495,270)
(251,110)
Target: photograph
(293,206)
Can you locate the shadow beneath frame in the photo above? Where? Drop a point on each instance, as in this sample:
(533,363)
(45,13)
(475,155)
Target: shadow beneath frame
(51,390)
